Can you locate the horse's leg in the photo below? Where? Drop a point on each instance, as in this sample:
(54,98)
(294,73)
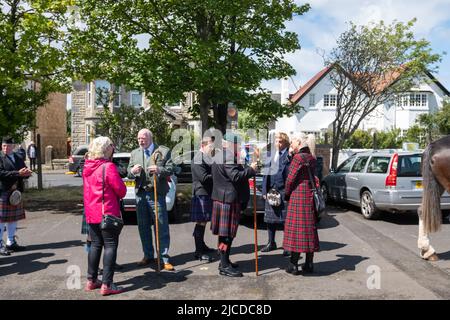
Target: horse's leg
(427,252)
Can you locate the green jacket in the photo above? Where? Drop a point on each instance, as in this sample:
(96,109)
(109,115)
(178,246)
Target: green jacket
(145,180)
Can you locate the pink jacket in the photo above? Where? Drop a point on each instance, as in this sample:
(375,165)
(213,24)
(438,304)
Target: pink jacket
(115,189)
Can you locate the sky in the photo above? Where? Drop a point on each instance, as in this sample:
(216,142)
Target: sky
(319,28)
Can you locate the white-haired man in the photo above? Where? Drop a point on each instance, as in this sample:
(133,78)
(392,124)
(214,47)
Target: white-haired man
(145,161)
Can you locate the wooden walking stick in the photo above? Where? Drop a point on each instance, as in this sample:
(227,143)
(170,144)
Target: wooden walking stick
(255,225)
(156,223)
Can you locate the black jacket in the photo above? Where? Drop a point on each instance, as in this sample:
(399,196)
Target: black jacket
(230,183)
(202,181)
(9,172)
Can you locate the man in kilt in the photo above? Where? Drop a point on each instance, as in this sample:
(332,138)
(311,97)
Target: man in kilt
(201,204)
(12,173)
(300,229)
(230,195)
(273,183)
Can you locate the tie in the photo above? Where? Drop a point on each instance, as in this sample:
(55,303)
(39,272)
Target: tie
(147,153)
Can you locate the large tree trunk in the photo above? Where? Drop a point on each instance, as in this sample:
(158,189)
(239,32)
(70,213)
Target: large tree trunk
(335,156)
(220,117)
(204,111)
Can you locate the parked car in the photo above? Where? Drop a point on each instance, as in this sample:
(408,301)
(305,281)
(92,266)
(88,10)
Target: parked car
(385,180)
(260,202)
(121,160)
(76,160)
(183,164)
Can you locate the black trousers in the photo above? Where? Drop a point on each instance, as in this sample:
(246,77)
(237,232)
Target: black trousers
(32,163)
(110,241)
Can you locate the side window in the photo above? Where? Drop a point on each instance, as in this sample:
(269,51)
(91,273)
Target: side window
(378,165)
(346,165)
(360,164)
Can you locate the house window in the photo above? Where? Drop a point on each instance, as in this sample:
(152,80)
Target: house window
(312,99)
(136,98)
(412,100)
(117,96)
(88,94)
(329,100)
(102,89)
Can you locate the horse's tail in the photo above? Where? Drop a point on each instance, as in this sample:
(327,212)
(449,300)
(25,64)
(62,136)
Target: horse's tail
(431,200)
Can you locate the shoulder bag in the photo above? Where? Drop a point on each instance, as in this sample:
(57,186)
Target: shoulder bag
(109,223)
(319,201)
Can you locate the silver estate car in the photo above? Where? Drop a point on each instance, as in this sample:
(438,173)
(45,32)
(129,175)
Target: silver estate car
(379,180)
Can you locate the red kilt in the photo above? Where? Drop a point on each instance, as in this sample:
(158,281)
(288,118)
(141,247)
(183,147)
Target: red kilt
(300,231)
(9,213)
(225,218)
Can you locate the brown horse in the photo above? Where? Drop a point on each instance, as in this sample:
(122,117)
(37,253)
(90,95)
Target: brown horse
(436,179)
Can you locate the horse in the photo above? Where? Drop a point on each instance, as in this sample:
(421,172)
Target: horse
(436,179)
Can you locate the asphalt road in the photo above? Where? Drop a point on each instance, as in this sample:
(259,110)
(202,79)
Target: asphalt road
(58,179)
(359,259)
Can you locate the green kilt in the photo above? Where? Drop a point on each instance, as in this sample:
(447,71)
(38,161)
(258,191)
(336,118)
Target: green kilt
(9,213)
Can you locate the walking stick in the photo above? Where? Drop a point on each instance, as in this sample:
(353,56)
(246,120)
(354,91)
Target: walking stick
(156,223)
(255,225)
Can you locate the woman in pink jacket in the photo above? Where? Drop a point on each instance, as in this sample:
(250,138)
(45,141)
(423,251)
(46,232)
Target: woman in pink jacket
(99,158)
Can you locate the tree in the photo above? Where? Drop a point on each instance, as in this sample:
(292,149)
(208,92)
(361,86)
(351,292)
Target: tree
(123,126)
(360,139)
(31,65)
(372,65)
(435,124)
(219,49)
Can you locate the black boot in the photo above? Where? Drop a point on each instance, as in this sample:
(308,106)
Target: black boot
(308,266)
(292,267)
(198,234)
(226,267)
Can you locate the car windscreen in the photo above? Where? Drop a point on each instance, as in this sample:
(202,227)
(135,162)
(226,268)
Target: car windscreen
(122,165)
(80,151)
(409,165)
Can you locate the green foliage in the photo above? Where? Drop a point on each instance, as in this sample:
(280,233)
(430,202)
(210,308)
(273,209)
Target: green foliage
(220,49)
(29,35)
(373,64)
(359,140)
(123,125)
(436,124)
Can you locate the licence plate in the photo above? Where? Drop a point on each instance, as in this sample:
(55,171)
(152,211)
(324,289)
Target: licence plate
(419,185)
(130,183)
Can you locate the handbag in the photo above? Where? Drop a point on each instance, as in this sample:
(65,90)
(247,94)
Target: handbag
(274,198)
(109,223)
(319,201)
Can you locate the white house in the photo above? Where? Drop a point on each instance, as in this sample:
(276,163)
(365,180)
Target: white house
(318,98)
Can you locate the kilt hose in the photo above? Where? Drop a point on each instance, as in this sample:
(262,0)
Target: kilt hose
(9,213)
(300,231)
(201,207)
(225,218)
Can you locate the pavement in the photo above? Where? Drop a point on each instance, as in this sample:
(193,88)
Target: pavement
(359,259)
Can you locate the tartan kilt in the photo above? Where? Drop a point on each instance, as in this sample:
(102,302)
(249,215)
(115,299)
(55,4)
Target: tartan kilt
(225,218)
(9,213)
(201,207)
(300,231)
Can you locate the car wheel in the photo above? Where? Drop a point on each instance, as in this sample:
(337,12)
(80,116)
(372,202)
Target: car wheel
(326,195)
(368,209)
(173,214)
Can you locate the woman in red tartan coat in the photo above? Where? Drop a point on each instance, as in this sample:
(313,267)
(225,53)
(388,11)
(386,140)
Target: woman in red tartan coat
(300,231)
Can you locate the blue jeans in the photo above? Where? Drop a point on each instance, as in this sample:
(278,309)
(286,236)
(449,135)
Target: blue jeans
(145,205)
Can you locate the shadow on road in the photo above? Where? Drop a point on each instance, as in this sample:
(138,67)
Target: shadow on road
(55,245)
(25,264)
(152,280)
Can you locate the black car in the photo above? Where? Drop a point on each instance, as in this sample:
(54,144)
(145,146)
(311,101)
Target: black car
(183,164)
(76,160)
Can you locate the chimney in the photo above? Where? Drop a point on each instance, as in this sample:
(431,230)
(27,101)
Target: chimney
(284,90)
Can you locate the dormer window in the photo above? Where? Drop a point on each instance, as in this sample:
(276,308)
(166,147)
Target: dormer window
(329,100)
(412,100)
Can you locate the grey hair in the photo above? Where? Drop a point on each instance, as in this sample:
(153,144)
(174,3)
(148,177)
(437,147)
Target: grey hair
(147,132)
(98,147)
(308,140)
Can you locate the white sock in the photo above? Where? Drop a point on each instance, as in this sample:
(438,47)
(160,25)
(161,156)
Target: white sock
(2,226)
(12,226)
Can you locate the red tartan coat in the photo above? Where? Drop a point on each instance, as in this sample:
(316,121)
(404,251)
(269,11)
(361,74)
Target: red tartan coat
(300,231)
